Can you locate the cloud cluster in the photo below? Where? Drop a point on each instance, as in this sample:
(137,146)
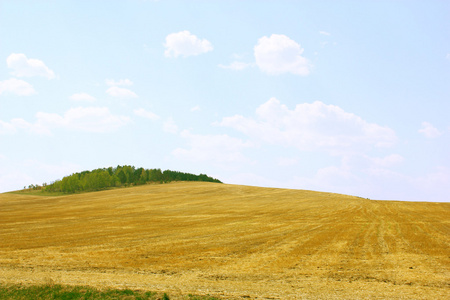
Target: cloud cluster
(219,149)
(307,127)
(16,87)
(279,54)
(115,91)
(146,114)
(429,130)
(118,92)
(185,44)
(14,174)
(23,67)
(170,126)
(82,97)
(28,67)
(311,126)
(87,119)
(275,55)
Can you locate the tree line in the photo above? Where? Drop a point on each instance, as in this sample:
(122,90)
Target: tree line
(104,178)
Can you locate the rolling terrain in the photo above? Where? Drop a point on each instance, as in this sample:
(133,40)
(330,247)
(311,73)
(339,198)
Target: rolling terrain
(228,241)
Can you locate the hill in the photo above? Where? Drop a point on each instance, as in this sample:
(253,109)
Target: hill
(229,241)
(120,176)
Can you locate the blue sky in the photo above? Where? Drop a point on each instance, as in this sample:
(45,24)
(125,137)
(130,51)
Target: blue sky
(340,96)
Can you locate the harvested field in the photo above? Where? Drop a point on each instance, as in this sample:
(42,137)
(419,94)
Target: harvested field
(228,241)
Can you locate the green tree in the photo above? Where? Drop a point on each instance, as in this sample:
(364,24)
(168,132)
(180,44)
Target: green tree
(109,177)
(122,176)
(143,178)
(155,175)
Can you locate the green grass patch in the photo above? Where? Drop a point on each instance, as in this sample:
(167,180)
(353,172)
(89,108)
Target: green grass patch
(59,292)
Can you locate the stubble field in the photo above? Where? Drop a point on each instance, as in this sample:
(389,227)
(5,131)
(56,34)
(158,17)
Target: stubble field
(228,241)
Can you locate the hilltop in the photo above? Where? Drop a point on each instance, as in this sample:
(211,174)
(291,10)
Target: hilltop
(120,176)
(228,241)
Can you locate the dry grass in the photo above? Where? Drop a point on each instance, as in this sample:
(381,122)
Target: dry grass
(229,241)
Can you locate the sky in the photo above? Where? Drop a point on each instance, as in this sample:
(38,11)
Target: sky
(348,97)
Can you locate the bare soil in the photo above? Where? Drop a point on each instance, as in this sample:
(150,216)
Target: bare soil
(228,241)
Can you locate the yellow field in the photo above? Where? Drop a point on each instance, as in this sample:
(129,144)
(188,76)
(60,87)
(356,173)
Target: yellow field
(228,241)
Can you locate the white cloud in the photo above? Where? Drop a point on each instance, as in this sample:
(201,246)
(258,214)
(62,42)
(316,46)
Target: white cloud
(146,114)
(324,32)
(82,97)
(333,178)
(213,148)
(90,119)
(51,170)
(387,161)
(112,82)
(336,178)
(170,126)
(118,92)
(185,44)
(358,175)
(447,56)
(279,54)
(7,128)
(236,65)
(195,108)
(434,186)
(14,180)
(16,175)
(20,124)
(28,67)
(429,130)
(311,126)
(375,178)
(40,127)
(17,87)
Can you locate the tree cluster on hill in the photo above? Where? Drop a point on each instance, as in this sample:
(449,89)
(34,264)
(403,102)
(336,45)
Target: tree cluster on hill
(104,178)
